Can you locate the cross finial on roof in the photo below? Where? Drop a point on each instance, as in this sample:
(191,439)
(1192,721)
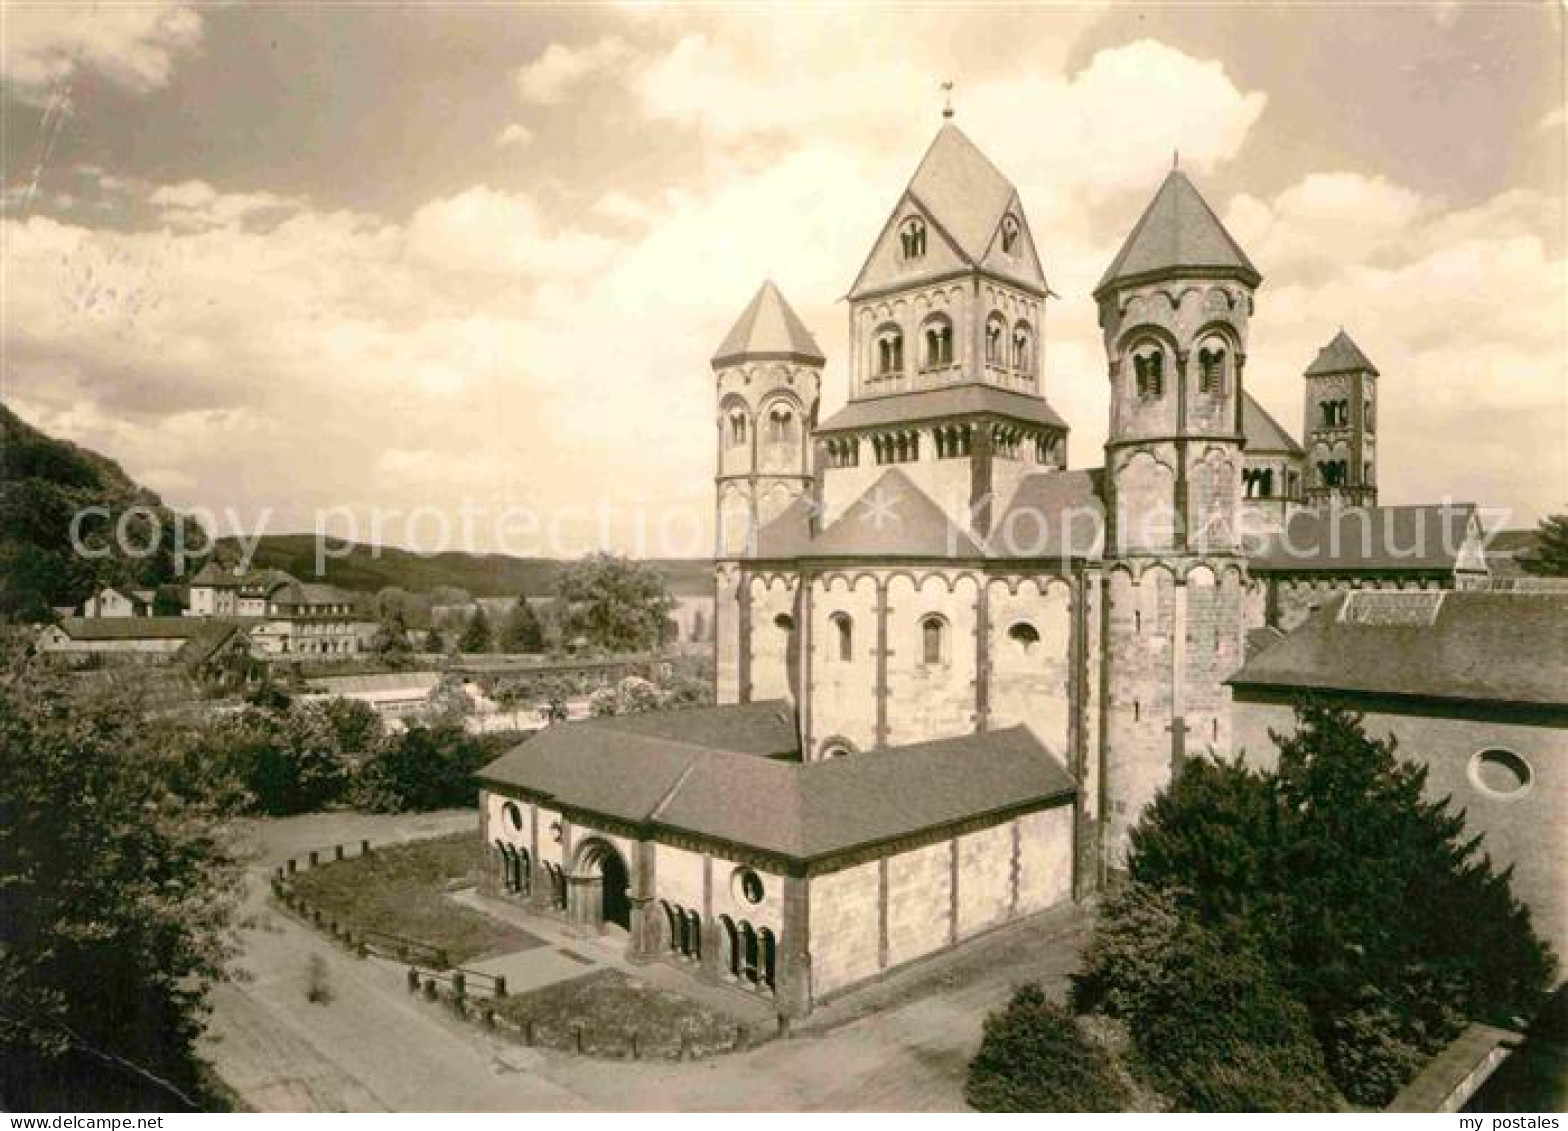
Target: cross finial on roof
(1175,159)
(947,103)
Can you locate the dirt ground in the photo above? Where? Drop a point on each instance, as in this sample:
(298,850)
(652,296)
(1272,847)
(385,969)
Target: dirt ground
(372,1047)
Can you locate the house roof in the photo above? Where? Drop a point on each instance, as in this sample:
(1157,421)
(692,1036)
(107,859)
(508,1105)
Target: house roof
(1477,645)
(891,518)
(1426,538)
(801,811)
(941,404)
(769,329)
(1341,355)
(207,641)
(1178,232)
(314,593)
(214,574)
(133,628)
(1052,514)
(1262,432)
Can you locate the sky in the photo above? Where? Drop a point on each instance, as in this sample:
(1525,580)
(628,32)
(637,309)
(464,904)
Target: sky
(451,276)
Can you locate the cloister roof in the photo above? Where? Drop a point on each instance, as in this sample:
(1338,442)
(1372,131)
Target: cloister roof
(712,783)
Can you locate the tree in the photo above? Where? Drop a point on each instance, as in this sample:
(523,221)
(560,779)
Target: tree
(116,908)
(1035,1057)
(1372,905)
(288,760)
(390,643)
(476,633)
(434,642)
(1550,556)
(166,602)
(521,631)
(426,767)
(615,603)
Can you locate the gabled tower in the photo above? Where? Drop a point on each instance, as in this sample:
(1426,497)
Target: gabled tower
(769,375)
(1174,308)
(1341,426)
(947,332)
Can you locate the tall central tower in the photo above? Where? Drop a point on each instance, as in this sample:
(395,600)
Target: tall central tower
(1174,307)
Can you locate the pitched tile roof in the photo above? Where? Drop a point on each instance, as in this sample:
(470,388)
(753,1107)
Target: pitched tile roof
(1425,538)
(1178,232)
(941,404)
(212,636)
(132,628)
(801,811)
(891,518)
(1340,356)
(1052,514)
(1263,433)
(1478,645)
(769,329)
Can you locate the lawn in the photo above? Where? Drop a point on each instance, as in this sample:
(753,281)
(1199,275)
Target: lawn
(402,890)
(611,1007)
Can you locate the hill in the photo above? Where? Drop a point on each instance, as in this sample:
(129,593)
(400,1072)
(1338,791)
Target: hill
(370,569)
(44,483)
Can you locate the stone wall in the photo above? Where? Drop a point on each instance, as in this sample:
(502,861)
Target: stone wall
(775,633)
(1031,682)
(919,902)
(936,700)
(843,702)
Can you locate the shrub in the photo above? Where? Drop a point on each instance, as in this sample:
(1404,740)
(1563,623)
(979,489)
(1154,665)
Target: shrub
(1034,1057)
(1128,958)
(1217,1032)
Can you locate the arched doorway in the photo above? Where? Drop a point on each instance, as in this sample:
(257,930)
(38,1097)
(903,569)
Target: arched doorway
(600,883)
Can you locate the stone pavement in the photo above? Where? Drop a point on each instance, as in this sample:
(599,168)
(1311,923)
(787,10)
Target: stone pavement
(374,1047)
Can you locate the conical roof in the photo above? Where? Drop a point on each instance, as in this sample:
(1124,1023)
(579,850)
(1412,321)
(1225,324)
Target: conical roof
(1178,232)
(769,329)
(1262,432)
(1341,356)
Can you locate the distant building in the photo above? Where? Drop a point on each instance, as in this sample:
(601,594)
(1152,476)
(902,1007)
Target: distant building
(111,602)
(288,617)
(129,636)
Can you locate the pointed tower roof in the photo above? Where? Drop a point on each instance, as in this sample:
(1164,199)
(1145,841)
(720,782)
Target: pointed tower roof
(962,190)
(768,329)
(1178,232)
(1341,356)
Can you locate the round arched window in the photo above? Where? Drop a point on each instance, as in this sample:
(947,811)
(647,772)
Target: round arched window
(1501,774)
(747,885)
(513,815)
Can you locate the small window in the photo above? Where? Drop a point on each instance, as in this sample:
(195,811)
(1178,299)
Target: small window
(890,351)
(513,815)
(1024,634)
(737,428)
(933,640)
(1010,235)
(555,831)
(939,342)
(995,331)
(912,237)
(1023,348)
(784,622)
(1211,369)
(748,886)
(836,750)
(1501,774)
(781,425)
(1149,371)
(844,632)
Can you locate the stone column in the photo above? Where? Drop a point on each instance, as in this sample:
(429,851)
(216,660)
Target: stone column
(793,961)
(643,946)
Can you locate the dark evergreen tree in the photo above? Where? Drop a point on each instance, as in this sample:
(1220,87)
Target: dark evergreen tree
(1034,1057)
(476,633)
(521,631)
(1550,556)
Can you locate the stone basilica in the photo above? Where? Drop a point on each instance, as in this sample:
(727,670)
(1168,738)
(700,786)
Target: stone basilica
(951,670)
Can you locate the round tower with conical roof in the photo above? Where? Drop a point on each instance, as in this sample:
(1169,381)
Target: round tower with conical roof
(1174,308)
(768,372)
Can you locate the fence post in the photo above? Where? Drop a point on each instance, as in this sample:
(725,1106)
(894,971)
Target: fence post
(430,989)
(337,850)
(364,848)
(500,985)
(314,858)
(459,985)
(528,1032)
(293,866)
(577,1037)
(413,980)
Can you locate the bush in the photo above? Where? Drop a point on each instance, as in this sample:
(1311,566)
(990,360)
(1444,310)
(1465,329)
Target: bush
(1128,959)
(1034,1057)
(1217,1032)
(426,767)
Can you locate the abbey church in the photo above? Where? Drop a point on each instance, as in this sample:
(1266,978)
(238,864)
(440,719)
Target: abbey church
(951,670)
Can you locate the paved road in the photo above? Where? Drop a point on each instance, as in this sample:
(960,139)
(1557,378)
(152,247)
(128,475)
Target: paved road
(372,1047)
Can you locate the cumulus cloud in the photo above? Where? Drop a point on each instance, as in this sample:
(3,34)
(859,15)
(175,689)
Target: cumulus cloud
(133,45)
(553,76)
(496,347)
